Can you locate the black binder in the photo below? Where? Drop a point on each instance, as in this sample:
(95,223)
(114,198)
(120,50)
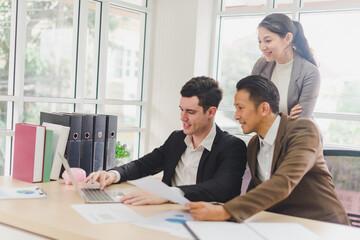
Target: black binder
(99,142)
(73,147)
(87,136)
(110,141)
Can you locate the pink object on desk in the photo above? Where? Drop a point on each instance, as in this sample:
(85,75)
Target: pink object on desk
(79,175)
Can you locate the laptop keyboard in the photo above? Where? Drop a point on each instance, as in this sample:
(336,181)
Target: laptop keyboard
(96,195)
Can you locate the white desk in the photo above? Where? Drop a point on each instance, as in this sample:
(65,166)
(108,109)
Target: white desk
(328,231)
(54,217)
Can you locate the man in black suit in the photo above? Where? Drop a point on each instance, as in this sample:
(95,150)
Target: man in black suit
(202,162)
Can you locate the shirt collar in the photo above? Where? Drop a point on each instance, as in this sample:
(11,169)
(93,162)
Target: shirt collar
(272,132)
(206,143)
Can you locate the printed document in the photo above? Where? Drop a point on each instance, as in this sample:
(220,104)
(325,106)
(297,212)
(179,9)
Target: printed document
(157,187)
(106,213)
(170,222)
(251,231)
(21,193)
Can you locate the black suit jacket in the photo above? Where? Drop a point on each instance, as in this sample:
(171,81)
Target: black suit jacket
(219,174)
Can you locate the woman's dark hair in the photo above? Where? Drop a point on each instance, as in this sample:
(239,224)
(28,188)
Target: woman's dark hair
(260,90)
(281,24)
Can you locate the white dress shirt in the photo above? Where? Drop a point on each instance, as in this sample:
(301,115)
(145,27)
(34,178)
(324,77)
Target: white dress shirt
(186,169)
(281,78)
(266,151)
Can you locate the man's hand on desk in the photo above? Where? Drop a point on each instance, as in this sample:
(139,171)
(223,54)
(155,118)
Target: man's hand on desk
(103,177)
(142,198)
(203,211)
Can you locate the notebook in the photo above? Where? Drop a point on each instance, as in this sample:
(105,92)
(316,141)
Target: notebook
(91,195)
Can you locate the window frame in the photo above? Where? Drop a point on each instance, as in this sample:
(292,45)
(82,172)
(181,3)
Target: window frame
(295,11)
(16,99)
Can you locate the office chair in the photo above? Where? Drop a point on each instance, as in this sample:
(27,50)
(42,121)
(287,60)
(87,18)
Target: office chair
(246,181)
(344,166)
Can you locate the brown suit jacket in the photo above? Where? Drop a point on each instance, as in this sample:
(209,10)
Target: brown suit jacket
(300,183)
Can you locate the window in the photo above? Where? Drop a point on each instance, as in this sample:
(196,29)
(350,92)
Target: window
(336,111)
(340,86)
(70,55)
(6,88)
(92,51)
(126,36)
(236,5)
(5,21)
(48,49)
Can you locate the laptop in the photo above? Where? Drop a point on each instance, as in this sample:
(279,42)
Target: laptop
(91,195)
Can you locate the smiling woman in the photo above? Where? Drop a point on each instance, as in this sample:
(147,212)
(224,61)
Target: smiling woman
(289,63)
(329,28)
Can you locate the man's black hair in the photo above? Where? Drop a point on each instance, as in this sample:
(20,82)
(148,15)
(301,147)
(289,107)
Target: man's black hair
(206,89)
(260,90)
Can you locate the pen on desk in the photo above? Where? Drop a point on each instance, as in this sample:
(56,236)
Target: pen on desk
(40,191)
(191,231)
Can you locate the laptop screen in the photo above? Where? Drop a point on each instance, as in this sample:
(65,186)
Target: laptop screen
(67,168)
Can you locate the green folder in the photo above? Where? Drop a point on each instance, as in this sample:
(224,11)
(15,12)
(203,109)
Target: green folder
(48,156)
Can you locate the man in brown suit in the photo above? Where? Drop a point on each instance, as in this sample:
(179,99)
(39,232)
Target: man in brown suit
(285,159)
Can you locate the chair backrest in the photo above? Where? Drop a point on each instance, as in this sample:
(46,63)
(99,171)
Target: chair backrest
(246,180)
(344,166)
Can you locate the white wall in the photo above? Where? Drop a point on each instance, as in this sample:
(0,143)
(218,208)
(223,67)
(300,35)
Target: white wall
(180,50)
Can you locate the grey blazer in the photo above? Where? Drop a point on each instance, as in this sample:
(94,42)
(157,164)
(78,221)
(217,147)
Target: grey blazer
(304,83)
